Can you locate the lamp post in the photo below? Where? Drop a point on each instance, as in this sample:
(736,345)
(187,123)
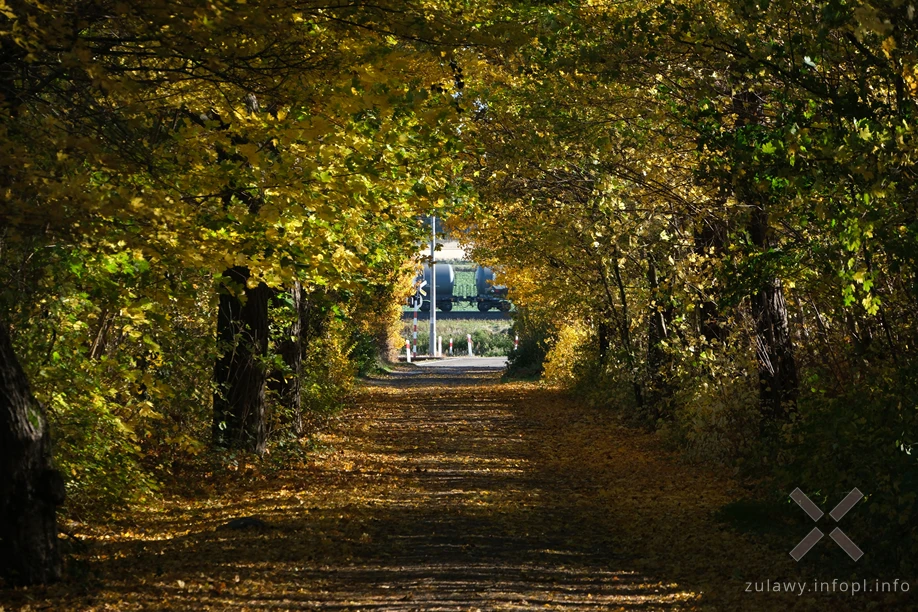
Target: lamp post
(433,287)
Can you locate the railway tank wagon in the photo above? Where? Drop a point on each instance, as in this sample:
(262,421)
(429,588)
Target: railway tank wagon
(446,283)
(490,294)
(484,293)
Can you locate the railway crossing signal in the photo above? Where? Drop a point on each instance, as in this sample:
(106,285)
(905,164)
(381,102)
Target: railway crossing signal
(415,301)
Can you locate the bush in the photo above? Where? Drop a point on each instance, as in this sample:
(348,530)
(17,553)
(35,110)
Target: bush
(489,338)
(714,403)
(528,358)
(568,356)
(865,438)
(99,457)
(487,343)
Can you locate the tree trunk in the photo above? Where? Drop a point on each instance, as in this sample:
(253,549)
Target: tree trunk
(659,324)
(603,337)
(240,373)
(625,330)
(291,351)
(777,367)
(30,488)
(709,242)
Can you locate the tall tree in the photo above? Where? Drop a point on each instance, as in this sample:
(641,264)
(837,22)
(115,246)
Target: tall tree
(286,383)
(116,151)
(241,372)
(31,489)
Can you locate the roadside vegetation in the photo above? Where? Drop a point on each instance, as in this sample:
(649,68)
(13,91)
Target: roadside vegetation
(489,338)
(706,212)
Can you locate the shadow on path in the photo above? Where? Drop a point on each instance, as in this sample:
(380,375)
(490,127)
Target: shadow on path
(440,490)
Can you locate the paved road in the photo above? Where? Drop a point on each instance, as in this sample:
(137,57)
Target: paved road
(465,363)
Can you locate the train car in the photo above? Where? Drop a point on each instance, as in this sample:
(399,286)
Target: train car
(485,293)
(446,282)
(490,294)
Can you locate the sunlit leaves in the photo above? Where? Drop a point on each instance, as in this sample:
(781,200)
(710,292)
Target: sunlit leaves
(146,148)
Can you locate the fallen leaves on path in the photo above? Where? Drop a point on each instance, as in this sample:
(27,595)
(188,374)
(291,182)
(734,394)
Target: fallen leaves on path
(438,491)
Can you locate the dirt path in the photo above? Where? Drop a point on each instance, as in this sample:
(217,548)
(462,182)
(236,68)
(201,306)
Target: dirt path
(441,490)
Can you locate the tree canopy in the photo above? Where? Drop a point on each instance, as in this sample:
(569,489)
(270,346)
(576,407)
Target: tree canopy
(705,212)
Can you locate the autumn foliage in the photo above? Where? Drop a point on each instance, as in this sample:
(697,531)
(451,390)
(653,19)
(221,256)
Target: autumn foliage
(705,211)
(208,212)
(708,209)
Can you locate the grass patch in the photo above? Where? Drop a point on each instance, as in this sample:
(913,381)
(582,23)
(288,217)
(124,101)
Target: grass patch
(490,338)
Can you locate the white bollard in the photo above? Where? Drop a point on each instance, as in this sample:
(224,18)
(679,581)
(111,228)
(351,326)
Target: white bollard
(408,350)
(439,346)
(450,347)
(469,338)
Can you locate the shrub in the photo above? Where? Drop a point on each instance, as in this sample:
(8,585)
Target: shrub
(568,356)
(867,438)
(714,403)
(528,358)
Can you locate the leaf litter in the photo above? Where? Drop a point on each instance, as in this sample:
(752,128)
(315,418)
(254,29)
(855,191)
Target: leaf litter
(436,491)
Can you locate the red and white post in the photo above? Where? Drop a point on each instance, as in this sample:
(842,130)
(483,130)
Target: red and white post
(516,343)
(451,347)
(414,334)
(407,350)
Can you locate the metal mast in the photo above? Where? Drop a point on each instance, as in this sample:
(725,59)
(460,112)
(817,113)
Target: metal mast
(433,287)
